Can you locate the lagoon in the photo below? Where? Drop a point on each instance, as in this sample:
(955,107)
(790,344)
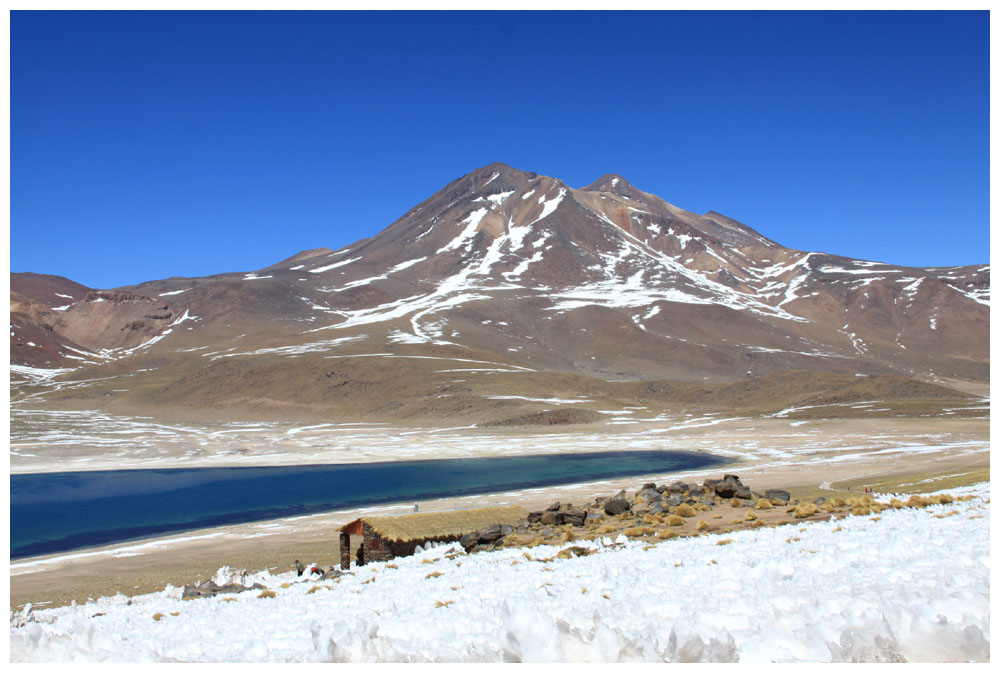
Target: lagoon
(62,511)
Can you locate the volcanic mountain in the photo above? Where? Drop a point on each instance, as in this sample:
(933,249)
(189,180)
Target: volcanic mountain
(497,293)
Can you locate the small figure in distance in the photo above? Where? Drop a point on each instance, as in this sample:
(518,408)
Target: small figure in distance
(299,567)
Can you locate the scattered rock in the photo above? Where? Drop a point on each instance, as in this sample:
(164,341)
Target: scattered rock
(616,506)
(777,494)
(551,518)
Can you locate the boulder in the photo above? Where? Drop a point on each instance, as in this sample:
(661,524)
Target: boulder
(680,487)
(647,495)
(550,518)
(777,494)
(648,486)
(743,493)
(490,533)
(674,499)
(731,477)
(554,507)
(506,529)
(534,517)
(469,540)
(711,483)
(726,489)
(657,508)
(616,506)
(577,517)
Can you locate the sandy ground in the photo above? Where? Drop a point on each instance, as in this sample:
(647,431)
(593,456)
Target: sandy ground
(765,454)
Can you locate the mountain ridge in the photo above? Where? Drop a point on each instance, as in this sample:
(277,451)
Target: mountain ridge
(605,281)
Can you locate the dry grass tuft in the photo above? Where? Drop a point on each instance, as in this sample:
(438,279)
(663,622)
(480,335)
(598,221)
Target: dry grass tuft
(684,510)
(674,520)
(837,502)
(751,516)
(763,503)
(434,574)
(567,536)
(861,511)
(666,534)
(391,565)
(702,525)
(722,543)
(805,509)
(736,502)
(158,616)
(638,531)
(584,590)
(757,524)
(605,529)
(285,585)
(228,599)
(266,593)
(317,588)
(430,560)
(716,516)
(443,604)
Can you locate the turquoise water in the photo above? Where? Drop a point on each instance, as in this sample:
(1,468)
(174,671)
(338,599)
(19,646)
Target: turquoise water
(62,511)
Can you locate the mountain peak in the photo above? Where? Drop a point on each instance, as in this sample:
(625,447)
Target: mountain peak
(611,182)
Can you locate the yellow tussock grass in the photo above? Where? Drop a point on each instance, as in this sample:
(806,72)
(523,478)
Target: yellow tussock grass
(763,503)
(861,511)
(716,516)
(757,524)
(433,575)
(702,525)
(751,516)
(443,604)
(285,585)
(567,536)
(158,616)
(175,614)
(805,509)
(722,543)
(666,534)
(584,590)
(674,520)
(736,502)
(836,501)
(684,510)
(637,531)
(317,588)
(266,593)
(605,529)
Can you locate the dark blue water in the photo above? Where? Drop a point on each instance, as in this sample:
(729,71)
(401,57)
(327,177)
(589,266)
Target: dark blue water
(62,511)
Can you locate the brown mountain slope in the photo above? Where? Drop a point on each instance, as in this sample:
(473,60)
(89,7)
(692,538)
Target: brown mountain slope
(566,287)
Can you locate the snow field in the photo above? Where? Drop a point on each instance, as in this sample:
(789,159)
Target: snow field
(911,585)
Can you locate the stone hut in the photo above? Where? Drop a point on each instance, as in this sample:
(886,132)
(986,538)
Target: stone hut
(387,537)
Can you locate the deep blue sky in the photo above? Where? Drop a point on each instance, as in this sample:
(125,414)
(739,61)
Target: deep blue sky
(149,144)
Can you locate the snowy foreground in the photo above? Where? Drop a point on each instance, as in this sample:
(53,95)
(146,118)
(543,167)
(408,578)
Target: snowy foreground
(911,586)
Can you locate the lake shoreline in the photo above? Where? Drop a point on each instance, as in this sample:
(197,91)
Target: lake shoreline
(147,566)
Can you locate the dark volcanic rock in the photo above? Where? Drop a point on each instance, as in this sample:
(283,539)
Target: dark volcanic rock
(777,494)
(616,506)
